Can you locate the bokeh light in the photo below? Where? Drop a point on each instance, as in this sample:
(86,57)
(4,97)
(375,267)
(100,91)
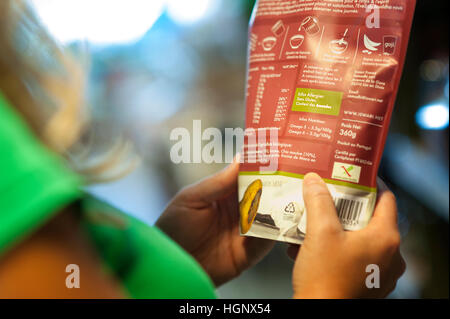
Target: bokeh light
(188,12)
(115,21)
(100,21)
(433,117)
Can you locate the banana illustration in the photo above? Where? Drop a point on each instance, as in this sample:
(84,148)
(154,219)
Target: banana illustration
(371,45)
(249,205)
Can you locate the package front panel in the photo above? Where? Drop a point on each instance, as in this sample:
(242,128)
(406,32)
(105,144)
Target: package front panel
(324,76)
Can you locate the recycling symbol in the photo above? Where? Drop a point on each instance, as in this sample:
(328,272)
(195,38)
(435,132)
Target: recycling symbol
(290,208)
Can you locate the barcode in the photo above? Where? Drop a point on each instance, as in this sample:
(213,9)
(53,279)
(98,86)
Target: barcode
(349,210)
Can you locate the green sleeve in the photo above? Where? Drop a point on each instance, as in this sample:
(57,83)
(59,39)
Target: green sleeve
(148,263)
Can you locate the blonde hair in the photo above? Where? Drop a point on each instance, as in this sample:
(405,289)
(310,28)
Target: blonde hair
(46,84)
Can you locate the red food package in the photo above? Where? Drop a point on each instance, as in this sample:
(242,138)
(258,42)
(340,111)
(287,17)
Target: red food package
(322,81)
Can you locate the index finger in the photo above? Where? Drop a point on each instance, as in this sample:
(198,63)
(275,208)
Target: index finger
(385,214)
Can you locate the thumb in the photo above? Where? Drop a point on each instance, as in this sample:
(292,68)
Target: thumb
(219,185)
(320,209)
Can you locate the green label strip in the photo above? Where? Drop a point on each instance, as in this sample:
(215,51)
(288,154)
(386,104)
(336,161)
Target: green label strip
(328,181)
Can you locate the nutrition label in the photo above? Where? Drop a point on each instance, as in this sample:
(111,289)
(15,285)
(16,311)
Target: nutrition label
(324,79)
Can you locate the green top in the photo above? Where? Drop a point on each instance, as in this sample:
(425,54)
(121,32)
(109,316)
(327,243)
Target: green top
(35,184)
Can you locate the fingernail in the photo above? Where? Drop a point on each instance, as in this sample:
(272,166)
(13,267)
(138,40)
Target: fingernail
(237,158)
(381,184)
(312,178)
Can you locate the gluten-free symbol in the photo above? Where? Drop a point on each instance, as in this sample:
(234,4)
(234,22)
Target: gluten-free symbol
(348,170)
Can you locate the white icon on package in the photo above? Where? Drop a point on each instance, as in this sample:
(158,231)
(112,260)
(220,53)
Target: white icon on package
(278,28)
(339,46)
(296,41)
(389,44)
(311,26)
(269,43)
(371,46)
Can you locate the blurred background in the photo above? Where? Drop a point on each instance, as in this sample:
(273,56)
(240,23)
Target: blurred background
(156,65)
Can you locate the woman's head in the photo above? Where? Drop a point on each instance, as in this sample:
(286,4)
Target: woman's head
(39,78)
(46,84)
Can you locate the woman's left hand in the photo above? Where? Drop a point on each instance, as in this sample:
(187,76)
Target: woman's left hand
(204,220)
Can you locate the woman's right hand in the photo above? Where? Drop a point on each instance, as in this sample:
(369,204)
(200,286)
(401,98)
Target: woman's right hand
(332,263)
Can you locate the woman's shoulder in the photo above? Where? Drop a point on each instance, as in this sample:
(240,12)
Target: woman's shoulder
(147,262)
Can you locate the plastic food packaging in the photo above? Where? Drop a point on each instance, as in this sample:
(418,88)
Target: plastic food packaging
(321,86)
